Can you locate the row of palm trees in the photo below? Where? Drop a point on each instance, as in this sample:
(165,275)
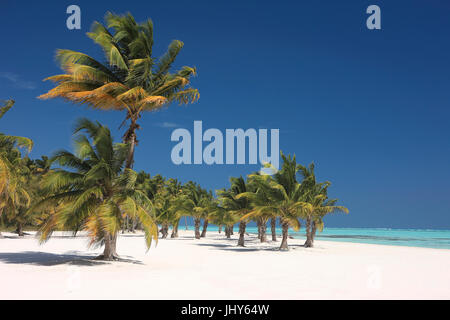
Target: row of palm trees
(94,188)
(91,189)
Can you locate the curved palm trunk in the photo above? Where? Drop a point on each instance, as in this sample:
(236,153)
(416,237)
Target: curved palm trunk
(109,253)
(220,228)
(309,239)
(175,231)
(124,225)
(284,241)
(263,228)
(205,226)
(273,226)
(242,226)
(197,228)
(232,230)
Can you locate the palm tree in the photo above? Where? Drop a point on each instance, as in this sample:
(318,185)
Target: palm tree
(96,192)
(317,207)
(174,188)
(239,206)
(196,202)
(223,217)
(133,81)
(17,196)
(273,228)
(167,207)
(261,203)
(13,193)
(43,165)
(317,204)
(283,195)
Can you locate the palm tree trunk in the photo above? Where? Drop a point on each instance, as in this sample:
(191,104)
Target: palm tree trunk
(273,226)
(220,228)
(205,226)
(197,228)
(164,230)
(263,228)
(19,229)
(228,232)
(133,225)
(242,226)
(285,229)
(309,241)
(232,230)
(175,231)
(109,253)
(130,138)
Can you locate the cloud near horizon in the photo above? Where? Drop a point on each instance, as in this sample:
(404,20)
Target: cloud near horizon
(17,81)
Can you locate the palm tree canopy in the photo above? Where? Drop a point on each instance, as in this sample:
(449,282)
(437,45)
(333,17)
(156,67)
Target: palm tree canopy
(95,192)
(132,80)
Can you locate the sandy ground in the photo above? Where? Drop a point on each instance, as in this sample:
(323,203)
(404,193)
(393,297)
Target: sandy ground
(214,268)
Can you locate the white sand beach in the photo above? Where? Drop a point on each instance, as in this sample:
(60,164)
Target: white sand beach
(214,268)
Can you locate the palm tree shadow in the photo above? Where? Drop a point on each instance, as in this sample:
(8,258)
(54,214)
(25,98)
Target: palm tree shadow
(228,247)
(51,259)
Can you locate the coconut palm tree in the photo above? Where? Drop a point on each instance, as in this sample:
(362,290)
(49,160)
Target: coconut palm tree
(283,195)
(133,80)
(18,194)
(317,204)
(96,192)
(13,193)
(261,203)
(239,206)
(317,207)
(174,189)
(167,207)
(223,217)
(196,202)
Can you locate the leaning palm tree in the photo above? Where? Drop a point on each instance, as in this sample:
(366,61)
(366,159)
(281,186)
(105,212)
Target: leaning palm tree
(133,80)
(95,192)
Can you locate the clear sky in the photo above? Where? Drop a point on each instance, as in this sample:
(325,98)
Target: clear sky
(371,108)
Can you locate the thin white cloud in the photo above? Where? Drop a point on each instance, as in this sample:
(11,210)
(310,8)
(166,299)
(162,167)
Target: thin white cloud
(167,125)
(17,81)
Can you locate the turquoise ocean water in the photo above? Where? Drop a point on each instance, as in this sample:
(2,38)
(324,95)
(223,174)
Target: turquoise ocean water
(439,239)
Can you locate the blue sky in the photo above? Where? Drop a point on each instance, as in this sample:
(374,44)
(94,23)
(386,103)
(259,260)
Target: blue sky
(370,108)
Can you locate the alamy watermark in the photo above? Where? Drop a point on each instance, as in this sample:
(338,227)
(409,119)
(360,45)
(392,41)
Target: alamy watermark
(190,149)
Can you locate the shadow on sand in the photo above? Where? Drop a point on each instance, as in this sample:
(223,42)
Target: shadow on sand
(51,259)
(233,247)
